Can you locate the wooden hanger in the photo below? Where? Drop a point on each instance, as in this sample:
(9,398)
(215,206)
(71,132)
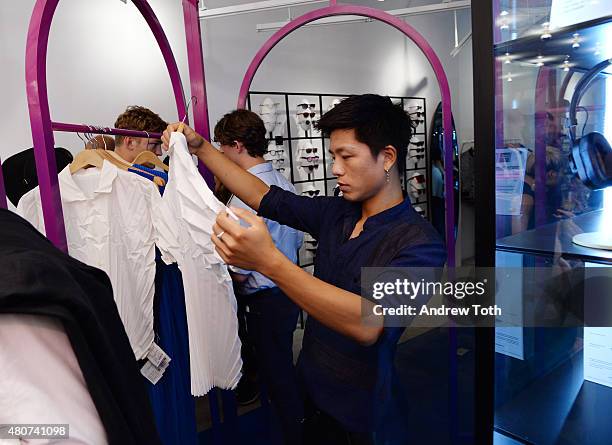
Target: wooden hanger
(148,157)
(122,164)
(86,158)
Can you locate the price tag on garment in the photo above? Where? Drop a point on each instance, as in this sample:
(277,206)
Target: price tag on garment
(158,357)
(151,372)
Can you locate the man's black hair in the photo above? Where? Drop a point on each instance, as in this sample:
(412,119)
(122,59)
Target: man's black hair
(377,122)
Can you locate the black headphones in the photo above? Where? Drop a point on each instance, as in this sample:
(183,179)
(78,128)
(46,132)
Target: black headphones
(591,156)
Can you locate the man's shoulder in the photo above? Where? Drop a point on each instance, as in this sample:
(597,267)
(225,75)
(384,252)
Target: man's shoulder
(279,180)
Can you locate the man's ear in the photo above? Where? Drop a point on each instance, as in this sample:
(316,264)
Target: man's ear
(390,156)
(128,142)
(240,148)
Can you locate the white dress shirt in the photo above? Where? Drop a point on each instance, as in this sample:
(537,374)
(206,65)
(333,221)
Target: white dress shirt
(108,215)
(190,210)
(41,380)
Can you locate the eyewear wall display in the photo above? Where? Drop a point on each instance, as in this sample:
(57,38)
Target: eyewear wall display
(302,149)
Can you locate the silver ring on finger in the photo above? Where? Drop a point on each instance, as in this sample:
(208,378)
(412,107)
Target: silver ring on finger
(220,235)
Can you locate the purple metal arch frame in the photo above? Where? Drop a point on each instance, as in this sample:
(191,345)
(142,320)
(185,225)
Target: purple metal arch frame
(3,203)
(38,105)
(422,44)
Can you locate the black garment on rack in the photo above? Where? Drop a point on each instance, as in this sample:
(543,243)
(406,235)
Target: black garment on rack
(36,278)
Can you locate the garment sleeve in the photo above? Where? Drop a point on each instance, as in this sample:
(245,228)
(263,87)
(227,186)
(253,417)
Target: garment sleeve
(29,209)
(299,212)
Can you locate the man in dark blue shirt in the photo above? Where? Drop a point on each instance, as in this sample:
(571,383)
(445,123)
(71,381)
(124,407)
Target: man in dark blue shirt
(345,366)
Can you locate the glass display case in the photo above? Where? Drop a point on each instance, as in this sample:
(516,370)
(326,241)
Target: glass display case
(553,384)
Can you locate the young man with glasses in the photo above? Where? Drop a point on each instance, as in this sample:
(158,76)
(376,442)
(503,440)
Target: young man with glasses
(345,366)
(267,317)
(142,119)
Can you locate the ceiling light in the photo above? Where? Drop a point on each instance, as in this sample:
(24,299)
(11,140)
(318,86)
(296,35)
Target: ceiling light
(576,43)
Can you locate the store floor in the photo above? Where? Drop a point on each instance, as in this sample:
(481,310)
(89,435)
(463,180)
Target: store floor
(423,363)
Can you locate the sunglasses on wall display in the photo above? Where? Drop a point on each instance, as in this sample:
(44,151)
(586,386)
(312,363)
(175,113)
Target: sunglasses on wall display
(312,242)
(307,114)
(280,169)
(417,143)
(310,167)
(310,158)
(309,149)
(277,161)
(414,108)
(417,122)
(276,152)
(311,193)
(306,106)
(417,150)
(416,156)
(417,114)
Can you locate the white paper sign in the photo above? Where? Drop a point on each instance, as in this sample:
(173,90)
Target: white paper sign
(570,12)
(509,178)
(597,341)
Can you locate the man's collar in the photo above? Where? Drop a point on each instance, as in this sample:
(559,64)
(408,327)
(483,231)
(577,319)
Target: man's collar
(71,192)
(402,209)
(260,168)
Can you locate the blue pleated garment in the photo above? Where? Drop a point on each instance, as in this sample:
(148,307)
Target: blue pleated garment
(173,404)
(171,399)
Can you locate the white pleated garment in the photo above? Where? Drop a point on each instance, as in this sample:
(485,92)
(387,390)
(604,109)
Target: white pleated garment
(109,225)
(184,230)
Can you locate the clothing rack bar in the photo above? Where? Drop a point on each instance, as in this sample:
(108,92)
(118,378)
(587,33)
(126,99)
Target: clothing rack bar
(94,129)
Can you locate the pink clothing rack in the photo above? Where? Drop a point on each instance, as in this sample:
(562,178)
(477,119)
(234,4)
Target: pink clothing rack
(93,129)
(38,104)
